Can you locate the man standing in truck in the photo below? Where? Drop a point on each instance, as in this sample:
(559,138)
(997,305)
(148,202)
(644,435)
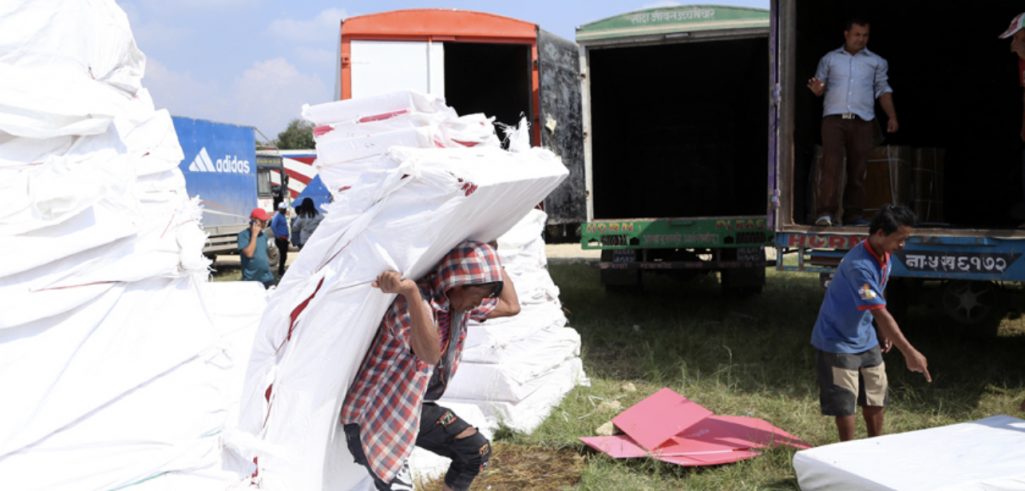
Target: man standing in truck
(849,358)
(852,79)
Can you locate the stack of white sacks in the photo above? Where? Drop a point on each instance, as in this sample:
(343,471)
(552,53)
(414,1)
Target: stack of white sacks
(119,363)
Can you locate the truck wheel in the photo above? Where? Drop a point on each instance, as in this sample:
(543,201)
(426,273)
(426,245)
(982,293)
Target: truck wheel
(977,305)
(620,280)
(743,282)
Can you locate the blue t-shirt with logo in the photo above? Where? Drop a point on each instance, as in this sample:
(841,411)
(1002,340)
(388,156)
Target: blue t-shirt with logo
(256,268)
(844,324)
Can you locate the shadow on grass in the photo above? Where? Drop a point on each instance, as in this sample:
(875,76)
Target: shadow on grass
(674,332)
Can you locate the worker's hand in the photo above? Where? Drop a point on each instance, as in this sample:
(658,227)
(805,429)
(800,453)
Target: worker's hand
(816,86)
(917,363)
(884,343)
(257,226)
(892,125)
(393,282)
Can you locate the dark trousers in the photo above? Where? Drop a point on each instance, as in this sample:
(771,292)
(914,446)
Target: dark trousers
(439,427)
(853,139)
(282,245)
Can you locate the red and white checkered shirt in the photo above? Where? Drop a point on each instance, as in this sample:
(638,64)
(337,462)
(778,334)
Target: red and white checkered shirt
(385,397)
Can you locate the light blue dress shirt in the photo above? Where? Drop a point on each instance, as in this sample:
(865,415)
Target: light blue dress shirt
(853,82)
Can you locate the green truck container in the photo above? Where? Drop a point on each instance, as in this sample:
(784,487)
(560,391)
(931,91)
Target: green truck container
(676,142)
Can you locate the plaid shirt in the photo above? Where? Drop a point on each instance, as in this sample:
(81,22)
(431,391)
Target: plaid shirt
(385,397)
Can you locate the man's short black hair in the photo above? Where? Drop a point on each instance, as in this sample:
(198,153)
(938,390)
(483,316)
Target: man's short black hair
(890,218)
(861,21)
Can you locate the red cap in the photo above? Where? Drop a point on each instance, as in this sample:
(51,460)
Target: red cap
(259,214)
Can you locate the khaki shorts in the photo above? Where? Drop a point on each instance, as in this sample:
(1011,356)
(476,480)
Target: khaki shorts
(847,380)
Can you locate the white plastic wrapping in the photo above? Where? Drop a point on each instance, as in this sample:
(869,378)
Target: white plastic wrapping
(400,208)
(986,454)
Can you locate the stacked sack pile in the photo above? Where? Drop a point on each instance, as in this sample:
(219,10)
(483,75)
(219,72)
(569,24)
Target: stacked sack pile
(410,180)
(119,363)
(516,369)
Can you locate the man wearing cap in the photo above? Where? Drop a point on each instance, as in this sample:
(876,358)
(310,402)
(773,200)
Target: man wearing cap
(852,78)
(390,406)
(279,226)
(1016,31)
(252,248)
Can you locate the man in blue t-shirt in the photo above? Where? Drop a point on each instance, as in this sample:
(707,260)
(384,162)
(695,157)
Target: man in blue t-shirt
(255,263)
(849,357)
(279,227)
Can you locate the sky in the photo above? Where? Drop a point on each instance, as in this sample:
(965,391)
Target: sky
(256,62)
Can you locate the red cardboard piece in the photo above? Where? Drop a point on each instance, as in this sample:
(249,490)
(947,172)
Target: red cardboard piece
(616,446)
(713,458)
(658,418)
(741,432)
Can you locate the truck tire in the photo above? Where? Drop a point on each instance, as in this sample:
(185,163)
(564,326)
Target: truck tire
(620,280)
(979,306)
(742,282)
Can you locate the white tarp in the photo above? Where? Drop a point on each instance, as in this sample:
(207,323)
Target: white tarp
(398,208)
(987,454)
(119,364)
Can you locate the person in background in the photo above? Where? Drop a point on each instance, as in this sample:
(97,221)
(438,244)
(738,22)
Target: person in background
(306,220)
(849,350)
(1016,31)
(390,406)
(252,248)
(852,78)
(279,227)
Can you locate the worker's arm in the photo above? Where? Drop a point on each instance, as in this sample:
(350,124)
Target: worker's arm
(424,338)
(890,332)
(254,235)
(508,301)
(1023,119)
(886,100)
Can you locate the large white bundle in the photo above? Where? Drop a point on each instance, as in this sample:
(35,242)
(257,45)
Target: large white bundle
(527,414)
(402,210)
(116,362)
(514,373)
(986,454)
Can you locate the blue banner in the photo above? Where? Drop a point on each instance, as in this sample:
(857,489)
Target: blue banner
(220,168)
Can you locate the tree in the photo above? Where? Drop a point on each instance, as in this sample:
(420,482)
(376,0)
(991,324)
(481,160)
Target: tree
(298,135)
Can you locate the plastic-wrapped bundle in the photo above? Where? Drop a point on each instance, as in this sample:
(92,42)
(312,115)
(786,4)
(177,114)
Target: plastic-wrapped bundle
(399,208)
(111,343)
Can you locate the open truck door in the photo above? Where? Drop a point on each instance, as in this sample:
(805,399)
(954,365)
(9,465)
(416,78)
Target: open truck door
(955,161)
(675,136)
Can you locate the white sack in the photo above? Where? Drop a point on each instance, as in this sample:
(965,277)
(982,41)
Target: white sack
(985,454)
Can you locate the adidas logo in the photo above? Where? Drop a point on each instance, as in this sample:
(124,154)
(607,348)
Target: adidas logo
(230,163)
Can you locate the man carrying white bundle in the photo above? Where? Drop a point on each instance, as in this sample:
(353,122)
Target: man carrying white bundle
(390,406)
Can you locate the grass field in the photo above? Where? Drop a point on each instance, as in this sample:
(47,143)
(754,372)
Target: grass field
(742,357)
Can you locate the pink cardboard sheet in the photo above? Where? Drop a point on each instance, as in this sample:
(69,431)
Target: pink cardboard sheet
(655,420)
(668,427)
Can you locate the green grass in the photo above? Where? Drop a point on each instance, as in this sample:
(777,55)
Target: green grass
(751,357)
